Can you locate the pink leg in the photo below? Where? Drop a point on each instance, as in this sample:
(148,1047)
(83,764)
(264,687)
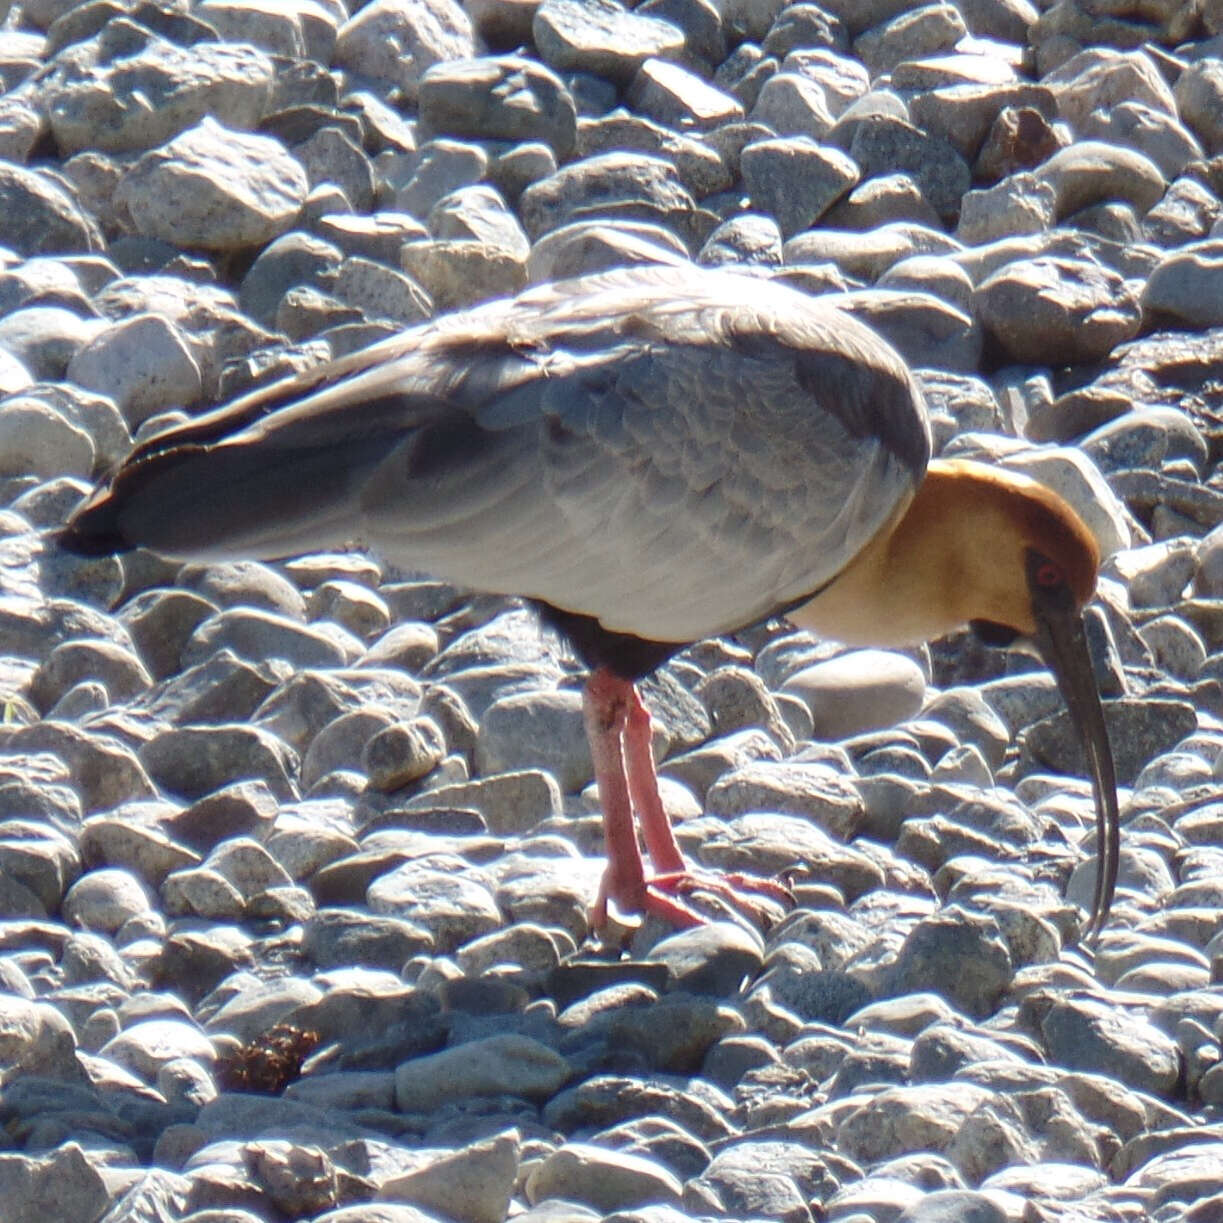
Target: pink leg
(656,828)
(671,872)
(605,708)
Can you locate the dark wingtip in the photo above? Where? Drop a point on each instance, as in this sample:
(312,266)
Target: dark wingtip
(93,529)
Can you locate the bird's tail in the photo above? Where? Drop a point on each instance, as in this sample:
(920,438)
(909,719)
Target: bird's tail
(212,502)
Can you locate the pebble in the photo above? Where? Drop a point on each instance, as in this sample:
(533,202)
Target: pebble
(512,1064)
(796,180)
(1058,309)
(601,38)
(607,1181)
(215,188)
(399,40)
(98,105)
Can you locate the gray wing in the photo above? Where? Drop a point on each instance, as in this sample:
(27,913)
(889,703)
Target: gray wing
(675,452)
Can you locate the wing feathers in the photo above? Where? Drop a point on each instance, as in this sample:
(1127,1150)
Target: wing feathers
(675,451)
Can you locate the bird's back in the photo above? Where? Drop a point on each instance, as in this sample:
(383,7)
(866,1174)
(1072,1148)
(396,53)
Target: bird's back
(674,451)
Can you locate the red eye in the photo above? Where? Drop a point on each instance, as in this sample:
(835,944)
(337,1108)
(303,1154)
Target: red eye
(1048,574)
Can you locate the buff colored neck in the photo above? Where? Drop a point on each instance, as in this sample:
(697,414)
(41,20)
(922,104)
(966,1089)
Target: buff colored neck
(955,554)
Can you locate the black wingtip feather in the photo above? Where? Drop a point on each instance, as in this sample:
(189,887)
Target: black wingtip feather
(93,530)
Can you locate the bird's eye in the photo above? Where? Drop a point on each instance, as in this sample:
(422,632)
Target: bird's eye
(1048,575)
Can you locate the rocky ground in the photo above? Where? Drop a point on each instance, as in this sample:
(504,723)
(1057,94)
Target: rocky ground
(295,859)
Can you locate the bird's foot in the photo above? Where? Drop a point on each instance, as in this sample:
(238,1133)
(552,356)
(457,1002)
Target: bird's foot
(670,897)
(762,901)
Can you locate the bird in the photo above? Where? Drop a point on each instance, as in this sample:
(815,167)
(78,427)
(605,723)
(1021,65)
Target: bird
(652,456)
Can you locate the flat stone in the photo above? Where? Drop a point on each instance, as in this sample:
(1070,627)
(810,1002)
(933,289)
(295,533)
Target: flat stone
(601,37)
(507,1064)
(607,1180)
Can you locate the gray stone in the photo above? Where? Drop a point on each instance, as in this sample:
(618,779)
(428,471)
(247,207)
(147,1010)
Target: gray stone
(45,339)
(72,662)
(335,164)
(958,955)
(474,1183)
(1153,132)
(679,99)
(510,802)
(452,907)
(766,844)
(607,1180)
(104,772)
(105,105)
(39,217)
(792,104)
(795,180)
(144,1048)
(498,98)
(1199,99)
(1139,729)
(584,247)
(509,1064)
(247,1007)
(1090,172)
(37,440)
(192,761)
(751,238)
(1019,204)
(814,791)
(924,330)
(1095,1035)
(901,1119)
(215,188)
(293,260)
(601,37)
(622,185)
(1103,78)
(886,145)
(442,166)
(541,729)
(143,364)
(1051,311)
(399,40)
(771,1179)
(867,256)
(402,753)
(713,958)
(105,899)
(64,1180)
(1186,285)
(924,31)
(258,635)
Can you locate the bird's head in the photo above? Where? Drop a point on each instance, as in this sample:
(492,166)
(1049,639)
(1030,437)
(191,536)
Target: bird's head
(994,550)
(1031,566)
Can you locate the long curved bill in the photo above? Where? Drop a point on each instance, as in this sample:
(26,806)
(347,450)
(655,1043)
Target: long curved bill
(1062,642)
